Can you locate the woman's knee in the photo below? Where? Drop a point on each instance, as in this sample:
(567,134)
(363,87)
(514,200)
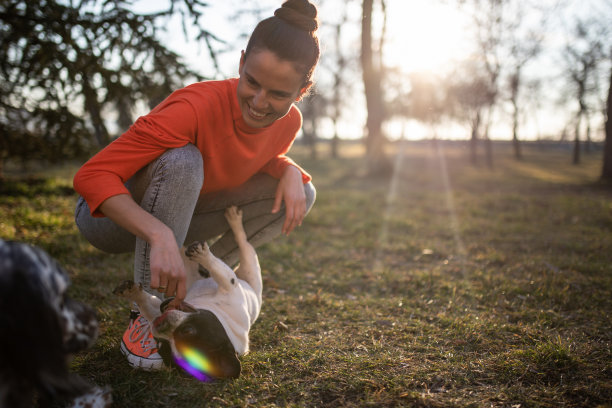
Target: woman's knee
(101,232)
(311,195)
(182,168)
(185,162)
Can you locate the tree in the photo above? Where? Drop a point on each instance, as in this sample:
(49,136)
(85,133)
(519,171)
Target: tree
(64,66)
(312,108)
(606,173)
(340,85)
(372,70)
(428,98)
(418,95)
(469,95)
(583,54)
(333,89)
(522,55)
(489,26)
(524,44)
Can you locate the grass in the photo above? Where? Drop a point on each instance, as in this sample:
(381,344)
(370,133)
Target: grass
(444,285)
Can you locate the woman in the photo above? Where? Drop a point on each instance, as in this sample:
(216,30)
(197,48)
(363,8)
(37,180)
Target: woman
(169,178)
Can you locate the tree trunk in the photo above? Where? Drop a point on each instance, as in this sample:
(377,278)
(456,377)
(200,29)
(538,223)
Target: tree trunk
(335,139)
(515,140)
(577,139)
(376,159)
(311,142)
(489,152)
(606,173)
(487,140)
(102,137)
(339,74)
(515,83)
(587,146)
(516,144)
(474,139)
(310,134)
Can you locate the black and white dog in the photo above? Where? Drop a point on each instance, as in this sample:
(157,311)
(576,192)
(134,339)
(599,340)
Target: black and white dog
(40,327)
(210,329)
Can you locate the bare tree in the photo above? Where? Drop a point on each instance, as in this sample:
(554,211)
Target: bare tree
(606,173)
(339,83)
(583,54)
(424,98)
(469,96)
(524,44)
(339,64)
(488,18)
(312,108)
(371,63)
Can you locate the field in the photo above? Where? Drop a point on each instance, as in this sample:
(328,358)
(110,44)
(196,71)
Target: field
(443,285)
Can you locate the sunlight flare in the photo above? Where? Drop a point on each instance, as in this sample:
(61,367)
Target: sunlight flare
(450,202)
(424,36)
(194,363)
(389,202)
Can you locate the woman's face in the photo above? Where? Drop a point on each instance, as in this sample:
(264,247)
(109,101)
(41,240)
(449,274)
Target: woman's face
(267,88)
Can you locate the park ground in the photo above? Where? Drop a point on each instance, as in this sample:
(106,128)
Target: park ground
(442,284)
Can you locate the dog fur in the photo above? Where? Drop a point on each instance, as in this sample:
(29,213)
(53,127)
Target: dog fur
(41,328)
(218,311)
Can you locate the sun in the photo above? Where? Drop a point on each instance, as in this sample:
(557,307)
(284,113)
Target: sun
(424,35)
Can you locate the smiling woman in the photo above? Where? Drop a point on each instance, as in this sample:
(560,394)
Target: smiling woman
(207,146)
(267,88)
(424,36)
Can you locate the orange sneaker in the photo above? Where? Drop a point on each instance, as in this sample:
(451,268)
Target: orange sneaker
(139,345)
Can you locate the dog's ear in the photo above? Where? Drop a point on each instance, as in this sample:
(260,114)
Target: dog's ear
(227,365)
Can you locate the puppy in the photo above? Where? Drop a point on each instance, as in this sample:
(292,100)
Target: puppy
(41,327)
(210,329)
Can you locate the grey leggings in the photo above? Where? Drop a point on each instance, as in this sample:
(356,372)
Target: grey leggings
(169,188)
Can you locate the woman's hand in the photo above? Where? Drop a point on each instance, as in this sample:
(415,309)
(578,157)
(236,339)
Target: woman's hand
(166,264)
(291,190)
(167,267)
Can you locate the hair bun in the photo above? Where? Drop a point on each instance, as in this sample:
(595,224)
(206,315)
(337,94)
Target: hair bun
(299,13)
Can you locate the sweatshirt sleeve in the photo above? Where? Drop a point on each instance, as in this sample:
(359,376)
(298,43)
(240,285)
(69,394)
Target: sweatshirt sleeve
(276,166)
(172,124)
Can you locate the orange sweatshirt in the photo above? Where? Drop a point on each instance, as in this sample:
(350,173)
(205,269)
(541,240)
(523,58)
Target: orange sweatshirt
(206,114)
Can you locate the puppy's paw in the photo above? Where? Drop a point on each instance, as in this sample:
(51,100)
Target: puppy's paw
(127,289)
(197,250)
(233,215)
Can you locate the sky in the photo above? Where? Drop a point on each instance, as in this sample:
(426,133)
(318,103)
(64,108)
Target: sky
(409,24)
(423,35)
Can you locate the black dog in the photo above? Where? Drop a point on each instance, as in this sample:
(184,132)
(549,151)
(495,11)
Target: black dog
(40,327)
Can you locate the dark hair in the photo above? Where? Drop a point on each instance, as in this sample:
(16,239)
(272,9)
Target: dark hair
(291,35)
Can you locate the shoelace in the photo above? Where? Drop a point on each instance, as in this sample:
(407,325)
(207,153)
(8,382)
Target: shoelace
(142,334)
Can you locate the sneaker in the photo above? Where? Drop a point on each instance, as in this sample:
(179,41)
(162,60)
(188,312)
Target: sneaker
(139,345)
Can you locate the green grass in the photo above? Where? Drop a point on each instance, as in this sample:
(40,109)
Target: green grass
(465,288)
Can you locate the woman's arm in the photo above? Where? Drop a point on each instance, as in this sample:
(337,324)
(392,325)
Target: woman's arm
(167,267)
